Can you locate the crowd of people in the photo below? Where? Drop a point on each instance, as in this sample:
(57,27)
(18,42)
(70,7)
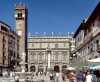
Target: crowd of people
(83,76)
(72,76)
(68,76)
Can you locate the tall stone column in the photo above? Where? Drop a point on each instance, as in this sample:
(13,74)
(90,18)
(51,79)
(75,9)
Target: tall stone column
(49,56)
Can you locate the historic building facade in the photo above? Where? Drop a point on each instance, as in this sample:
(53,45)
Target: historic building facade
(21,14)
(87,39)
(48,52)
(43,52)
(8,48)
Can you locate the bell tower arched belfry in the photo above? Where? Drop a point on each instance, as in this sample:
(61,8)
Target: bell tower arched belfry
(21,14)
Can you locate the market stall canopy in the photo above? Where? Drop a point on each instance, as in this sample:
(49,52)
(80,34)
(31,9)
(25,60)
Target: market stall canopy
(94,60)
(95,67)
(70,68)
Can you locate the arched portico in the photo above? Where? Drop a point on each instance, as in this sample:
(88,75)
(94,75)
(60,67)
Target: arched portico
(40,68)
(56,68)
(32,69)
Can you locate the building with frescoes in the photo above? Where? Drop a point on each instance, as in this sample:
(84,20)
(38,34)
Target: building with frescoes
(87,39)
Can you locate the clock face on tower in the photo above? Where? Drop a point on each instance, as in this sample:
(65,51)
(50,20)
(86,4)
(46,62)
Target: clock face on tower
(20,33)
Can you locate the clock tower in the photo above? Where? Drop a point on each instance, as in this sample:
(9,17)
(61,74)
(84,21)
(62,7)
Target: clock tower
(21,29)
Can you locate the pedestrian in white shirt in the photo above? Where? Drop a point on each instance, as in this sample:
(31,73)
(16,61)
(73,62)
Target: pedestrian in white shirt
(88,77)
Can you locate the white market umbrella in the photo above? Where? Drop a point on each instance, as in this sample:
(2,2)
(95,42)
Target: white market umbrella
(95,67)
(96,60)
(70,68)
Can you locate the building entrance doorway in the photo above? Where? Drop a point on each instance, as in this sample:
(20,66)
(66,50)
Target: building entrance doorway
(40,69)
(32,69)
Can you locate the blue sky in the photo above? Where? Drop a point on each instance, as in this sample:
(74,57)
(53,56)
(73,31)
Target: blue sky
(49,15)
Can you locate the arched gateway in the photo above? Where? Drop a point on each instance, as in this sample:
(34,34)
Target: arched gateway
(56,68)
(40,68)
(32,69)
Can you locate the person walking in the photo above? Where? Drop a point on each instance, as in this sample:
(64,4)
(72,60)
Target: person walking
(80,77)
(72,77)
(88,77)
(94,78)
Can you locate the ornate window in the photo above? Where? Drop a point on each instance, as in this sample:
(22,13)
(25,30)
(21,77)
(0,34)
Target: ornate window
(97,23)
(40,56)
(56,56)
(32,44)
(97,43)
(56,45)
(64,56)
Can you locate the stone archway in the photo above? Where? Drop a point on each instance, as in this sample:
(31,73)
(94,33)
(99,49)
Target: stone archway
(56,68)
(40,68)
(32,69)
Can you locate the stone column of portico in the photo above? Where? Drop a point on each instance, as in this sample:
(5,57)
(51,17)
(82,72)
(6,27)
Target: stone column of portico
(29,67)
(60,68)
(36,68)
(44,68)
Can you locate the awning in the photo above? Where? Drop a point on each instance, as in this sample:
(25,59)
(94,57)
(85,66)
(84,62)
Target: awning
(96,60)
(70,68)
(95,67)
